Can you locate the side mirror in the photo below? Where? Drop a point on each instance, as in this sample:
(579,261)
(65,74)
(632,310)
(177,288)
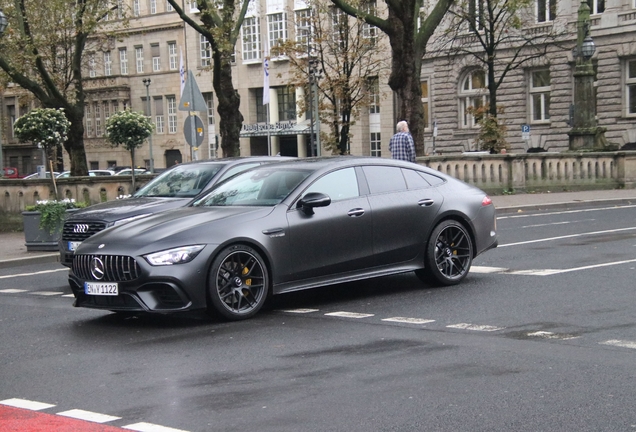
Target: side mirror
(312,200)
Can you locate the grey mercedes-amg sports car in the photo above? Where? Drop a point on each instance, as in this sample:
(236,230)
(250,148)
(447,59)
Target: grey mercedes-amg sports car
(285,227)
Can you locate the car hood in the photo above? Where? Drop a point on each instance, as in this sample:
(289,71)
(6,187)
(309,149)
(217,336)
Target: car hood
(121,209)
(189,225)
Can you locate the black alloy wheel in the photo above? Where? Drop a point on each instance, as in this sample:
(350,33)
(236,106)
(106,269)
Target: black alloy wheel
(238,283)
(449,254)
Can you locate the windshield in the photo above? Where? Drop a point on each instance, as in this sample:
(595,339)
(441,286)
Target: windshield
(262,187)
(182,181)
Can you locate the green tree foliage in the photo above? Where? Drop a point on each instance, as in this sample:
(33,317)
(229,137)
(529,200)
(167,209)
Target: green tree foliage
(43,51)
(219,22)
(47,128)
(128,129)
(409,27)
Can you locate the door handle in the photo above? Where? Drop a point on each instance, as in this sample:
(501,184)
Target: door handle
(426,202)
(356,212)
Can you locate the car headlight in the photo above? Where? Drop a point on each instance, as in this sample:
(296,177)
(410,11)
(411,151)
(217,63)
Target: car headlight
(130,219)
(178,255)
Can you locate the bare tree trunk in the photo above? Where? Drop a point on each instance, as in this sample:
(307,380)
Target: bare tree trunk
(230,117)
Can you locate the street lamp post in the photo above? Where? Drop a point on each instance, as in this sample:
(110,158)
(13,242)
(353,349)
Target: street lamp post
(146,82)
(310,108)
(585,133)
(3,26)
(314,76)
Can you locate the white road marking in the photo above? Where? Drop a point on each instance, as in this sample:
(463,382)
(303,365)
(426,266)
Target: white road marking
(33,274)
(12,291)
(566,212)
(299,311)
(475,327)
(557,223)
(544,272)
(26,404)
(149,427)
(620,343)
(409,320)
(69,295)
(88,416)
(47,293)
(482,269)
(567,236)
(349,315)
(550,335)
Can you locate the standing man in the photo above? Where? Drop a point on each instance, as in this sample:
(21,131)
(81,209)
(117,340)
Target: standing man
(401,145)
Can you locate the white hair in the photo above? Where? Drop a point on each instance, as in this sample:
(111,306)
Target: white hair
(402,126)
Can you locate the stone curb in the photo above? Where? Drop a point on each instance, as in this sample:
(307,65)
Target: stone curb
(563,205)
(37,259)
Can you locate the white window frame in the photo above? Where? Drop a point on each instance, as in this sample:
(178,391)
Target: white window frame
(169,7)
(98,120)
(172,55)
(159,118)
(373,87)
(139,59)
(276,28)
(205,50)
(539,98)
(209,101)
(92,72)
(251,37)
(375,139)
(597,7)
(304,27)
(368,31)
(426,102)
(153,7)
(88,114)
(172,114)
(544,9)
(123,61)
(156,60)
(108,64)
(136,7)
(471,96)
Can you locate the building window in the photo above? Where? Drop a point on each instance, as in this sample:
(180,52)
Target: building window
(339,27)
(206,52)
(172,55)
(153,6)
(373,87)
(108,64)
(123,61)
(156,57)
(472,94)
(546,10)
(630,87)
(106,111)
(540,95)
(368,31)
(426,104)
(261,110)
(596,6)
(209,101)
(304,29)
(277,28)
(159,119)
(376,144)
(136,8)
(94,165)
(89,120)
(91,66)
(139,59)
(286,103)
(98,120)
(169,7)
(172,114)
(251,38)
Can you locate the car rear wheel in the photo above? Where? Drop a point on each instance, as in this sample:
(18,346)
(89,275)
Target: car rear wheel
(449,254)
(238,283)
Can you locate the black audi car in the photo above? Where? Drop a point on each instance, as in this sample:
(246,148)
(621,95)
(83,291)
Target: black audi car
(173,188)
(286,227)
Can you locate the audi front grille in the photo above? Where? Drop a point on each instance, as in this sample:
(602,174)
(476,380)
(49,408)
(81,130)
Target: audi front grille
(112,268)
(80,231)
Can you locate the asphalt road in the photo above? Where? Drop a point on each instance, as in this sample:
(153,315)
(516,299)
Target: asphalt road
(540,337)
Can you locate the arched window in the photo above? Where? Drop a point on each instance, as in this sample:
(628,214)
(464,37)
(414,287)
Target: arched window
(472,93)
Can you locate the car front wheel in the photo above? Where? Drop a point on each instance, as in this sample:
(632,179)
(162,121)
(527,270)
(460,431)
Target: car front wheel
(449,254)
(238,282)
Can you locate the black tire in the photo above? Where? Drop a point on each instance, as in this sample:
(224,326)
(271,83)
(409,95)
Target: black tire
(449,254)
(238,283)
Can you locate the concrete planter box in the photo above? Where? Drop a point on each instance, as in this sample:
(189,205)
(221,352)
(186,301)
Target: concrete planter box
(37,239)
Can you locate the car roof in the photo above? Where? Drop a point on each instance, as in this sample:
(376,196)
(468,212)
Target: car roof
(240,159)
(317,163)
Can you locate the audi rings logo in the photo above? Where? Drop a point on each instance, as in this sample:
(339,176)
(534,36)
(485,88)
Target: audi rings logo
(80,228)
(97,268)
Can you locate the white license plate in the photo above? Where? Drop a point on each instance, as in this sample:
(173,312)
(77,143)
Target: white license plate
(72,246)
(101,288)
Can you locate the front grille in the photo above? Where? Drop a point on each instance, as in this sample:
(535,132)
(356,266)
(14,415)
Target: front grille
(116,268)
(80,231)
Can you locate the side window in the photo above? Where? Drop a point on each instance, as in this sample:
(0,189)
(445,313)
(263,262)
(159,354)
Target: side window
(237,169)
(433,180)
(414,180)
(339,185)
(384,179)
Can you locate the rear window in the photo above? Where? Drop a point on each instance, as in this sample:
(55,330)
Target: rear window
(182,181)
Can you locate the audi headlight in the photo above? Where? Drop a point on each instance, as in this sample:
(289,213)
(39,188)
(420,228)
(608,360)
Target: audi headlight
(130,219)
(178,255)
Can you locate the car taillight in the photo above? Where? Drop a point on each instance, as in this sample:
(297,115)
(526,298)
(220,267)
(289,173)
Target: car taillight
(486,201)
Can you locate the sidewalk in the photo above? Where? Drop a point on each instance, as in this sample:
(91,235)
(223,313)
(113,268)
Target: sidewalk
(13,251)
